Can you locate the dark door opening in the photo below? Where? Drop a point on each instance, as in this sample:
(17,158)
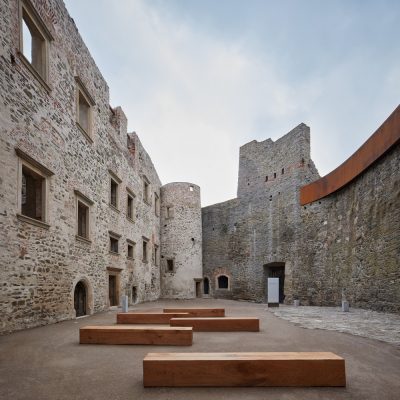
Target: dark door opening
(198,289)
(112,290)
(134,295)
(80,299)
(277,270)
(206,284)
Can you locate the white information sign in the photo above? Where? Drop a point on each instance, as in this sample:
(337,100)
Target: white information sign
(273,290)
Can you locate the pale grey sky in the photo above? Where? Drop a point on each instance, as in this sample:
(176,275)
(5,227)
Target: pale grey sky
(199,78)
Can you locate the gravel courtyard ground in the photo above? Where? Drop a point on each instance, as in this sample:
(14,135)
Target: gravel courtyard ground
(48,362)
(366,323)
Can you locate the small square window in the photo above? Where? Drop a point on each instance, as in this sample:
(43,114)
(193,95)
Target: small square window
(83,220)
(170,265)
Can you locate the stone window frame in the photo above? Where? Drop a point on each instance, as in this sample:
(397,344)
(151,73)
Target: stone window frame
(115,236)
(130,194)
(114,177)
(133,245)
(156,254)
(169,211)
(29,15)
(81,90)
(25,160)
(156,204)
(146,240)
(146,190)
(81,198)
(217,282)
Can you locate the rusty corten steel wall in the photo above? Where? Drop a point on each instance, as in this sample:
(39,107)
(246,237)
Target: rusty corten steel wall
(387,135)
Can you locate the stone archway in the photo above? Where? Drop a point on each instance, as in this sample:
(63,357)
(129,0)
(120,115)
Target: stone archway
(82,297)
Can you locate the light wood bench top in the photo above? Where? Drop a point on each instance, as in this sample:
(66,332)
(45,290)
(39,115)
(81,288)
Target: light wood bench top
(148,318)
(199,312)
(300,369)
(219,324)
(129,334)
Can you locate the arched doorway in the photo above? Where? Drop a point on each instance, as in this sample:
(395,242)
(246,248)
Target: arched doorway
(206,286)
(80,299)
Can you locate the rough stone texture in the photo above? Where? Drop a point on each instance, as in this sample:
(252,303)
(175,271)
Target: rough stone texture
(358,322)
(345,244)
(40,267)
(181,240)
(261,225)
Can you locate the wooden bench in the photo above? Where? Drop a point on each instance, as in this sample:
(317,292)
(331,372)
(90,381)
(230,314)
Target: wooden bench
(117,334)
(148,318)
(243,369)
(198,312)
(217,324)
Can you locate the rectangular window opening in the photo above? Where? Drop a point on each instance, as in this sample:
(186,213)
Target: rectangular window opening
(130,250)
(114,193)
(145,255)
(113,245)
(32,194)
(129,207)
(83,220)
(170,265)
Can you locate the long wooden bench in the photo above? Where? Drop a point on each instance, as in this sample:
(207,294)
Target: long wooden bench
(198,312)
(148,318)
(120,334)
(217,324)
(243,369)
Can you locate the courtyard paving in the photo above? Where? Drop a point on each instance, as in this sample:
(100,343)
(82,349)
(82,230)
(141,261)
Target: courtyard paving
(48,362)
(366,323)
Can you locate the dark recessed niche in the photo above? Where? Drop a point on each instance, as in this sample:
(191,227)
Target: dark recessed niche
(192,239)
(165,226)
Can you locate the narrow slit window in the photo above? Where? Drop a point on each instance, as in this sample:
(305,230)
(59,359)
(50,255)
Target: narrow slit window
(83,112)
(114,193)
(145,251)
(83,220)
(129,207)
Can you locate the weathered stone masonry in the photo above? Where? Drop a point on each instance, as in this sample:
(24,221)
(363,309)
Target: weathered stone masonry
(41,263)
(84,218)
(347,243)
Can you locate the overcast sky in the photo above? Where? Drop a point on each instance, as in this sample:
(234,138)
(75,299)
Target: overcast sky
(199,78)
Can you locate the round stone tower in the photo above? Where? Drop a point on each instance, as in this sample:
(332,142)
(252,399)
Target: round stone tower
(181,241)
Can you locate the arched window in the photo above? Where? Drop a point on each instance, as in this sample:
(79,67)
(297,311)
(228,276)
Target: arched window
(206,286)
(223,282)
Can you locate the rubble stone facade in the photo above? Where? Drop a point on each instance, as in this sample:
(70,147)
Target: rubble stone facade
(85,219)
(344,245)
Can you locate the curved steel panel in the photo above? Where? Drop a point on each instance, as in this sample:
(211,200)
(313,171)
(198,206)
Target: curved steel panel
(385,137)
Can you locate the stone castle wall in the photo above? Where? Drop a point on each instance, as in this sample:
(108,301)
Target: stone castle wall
(181,240)
(345,243)
(40,265)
